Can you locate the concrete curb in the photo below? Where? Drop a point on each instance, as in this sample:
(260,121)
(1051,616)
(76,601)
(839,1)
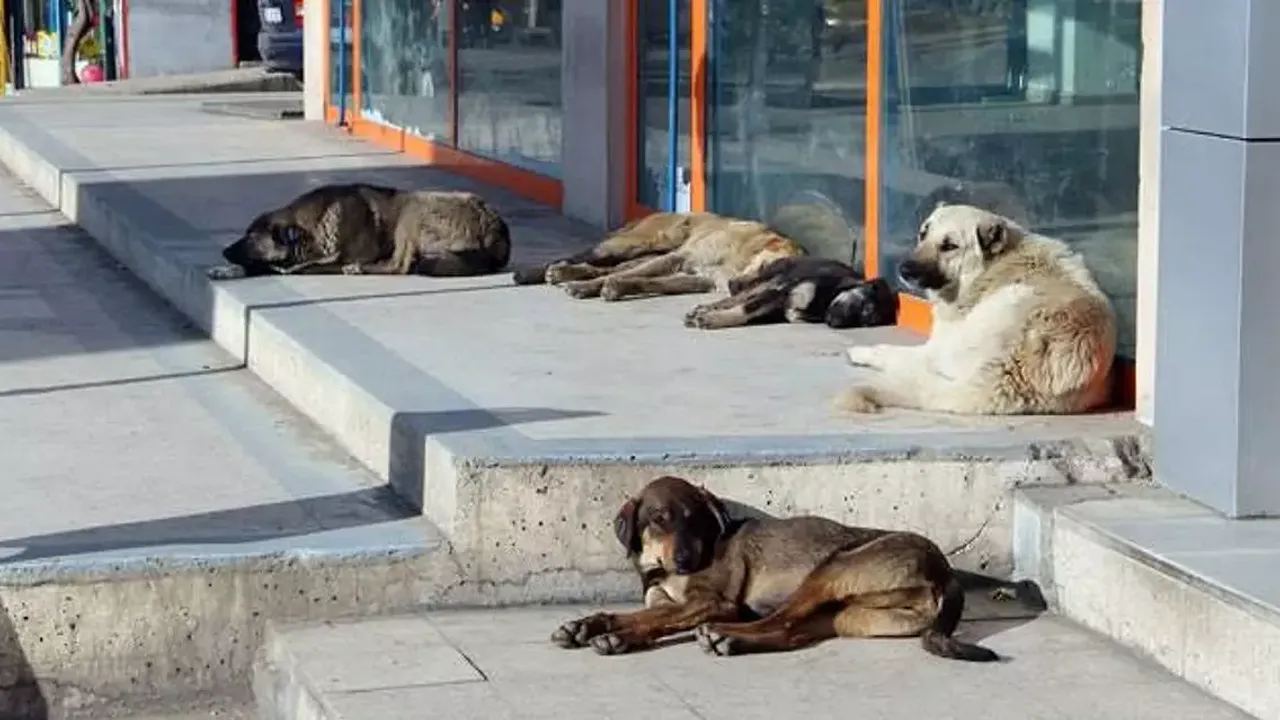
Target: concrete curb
(1204,632)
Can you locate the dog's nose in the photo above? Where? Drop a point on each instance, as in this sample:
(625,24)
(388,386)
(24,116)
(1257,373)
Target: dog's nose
(684,560)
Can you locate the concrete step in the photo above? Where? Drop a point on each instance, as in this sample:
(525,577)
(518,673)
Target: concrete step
(494,665)
(1193,591)
(160,503)
(517,419)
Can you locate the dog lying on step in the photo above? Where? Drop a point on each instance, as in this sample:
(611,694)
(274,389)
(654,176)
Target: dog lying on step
(760,585)
(800,290)
(625,247)
(358,229)
(717,250)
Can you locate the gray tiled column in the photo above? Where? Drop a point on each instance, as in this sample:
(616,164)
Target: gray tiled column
(1217,380)
(593,133)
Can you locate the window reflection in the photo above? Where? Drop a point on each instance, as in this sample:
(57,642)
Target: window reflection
(509,95)
(340,43)
(404,55)
(1027,107)
(653,181)
(786,122)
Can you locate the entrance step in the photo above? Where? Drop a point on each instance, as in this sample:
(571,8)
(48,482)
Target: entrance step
(515,418)
(1193,591)
(499,664)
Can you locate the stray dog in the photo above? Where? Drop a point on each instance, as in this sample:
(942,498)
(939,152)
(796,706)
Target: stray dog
(763,585)
(367,229)
(638,240)
(800,290)
(1019,325)
(717,250)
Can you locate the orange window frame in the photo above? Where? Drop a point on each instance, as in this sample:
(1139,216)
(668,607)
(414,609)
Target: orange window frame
(531,185)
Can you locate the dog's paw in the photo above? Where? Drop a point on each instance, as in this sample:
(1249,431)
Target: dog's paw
(612,290)
(859,400)
(713,643)
(557,273)
(580,289)
(573,634)
(225,272)
(863,356)
(352,269)
(609,644)
(698,318)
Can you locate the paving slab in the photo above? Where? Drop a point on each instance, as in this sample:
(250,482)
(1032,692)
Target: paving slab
(516,418)
(1192,590)
(500,664)
(161,502)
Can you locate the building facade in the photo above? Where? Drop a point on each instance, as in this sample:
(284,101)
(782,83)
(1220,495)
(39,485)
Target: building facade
(842,121)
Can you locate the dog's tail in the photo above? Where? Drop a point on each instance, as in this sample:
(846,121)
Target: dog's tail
(938,638)
(536,275)
(460,264)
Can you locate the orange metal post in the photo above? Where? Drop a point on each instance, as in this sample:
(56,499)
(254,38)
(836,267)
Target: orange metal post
(697,103)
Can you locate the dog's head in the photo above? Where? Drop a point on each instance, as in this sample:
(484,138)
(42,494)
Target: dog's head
(271,242)
(955,244)
(871,303)
(672,525)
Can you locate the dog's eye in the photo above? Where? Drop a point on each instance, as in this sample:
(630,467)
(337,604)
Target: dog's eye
(946,245)
(290,235)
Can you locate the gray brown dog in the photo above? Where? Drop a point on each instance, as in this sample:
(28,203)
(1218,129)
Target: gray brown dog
(357,228)
(801,290)
(760,585)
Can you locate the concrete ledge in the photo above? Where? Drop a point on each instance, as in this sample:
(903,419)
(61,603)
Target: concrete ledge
(516,419)
(239,80)
(1164,576)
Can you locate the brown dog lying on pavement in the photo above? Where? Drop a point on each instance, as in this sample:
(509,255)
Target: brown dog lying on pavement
(717,250)
(762,585)
(636,241)
(801,290)
(358,228)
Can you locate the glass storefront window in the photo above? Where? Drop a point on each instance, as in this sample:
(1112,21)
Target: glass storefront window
(509,59)
(786,128)
(653,161)
(404,61)
(1026,107)
(340,44)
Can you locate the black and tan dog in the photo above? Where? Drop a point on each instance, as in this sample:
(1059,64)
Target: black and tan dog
(801,290)
(357,228)
(762,585)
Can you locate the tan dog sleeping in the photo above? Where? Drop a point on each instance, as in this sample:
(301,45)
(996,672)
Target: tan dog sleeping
(1019,325)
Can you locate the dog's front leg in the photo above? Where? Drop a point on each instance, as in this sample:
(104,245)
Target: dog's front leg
(613,634)
(652,267)
(882,356)
(317,266)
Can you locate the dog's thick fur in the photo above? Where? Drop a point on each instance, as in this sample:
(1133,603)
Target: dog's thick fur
(1019,325)
(367,229)
(638,240)
(761,585)
(800,290)
(716,250)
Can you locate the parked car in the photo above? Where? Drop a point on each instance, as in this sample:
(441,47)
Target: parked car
(280,38)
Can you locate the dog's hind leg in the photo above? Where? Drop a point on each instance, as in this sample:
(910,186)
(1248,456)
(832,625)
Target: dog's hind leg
(559,273)
(651,267)
(760,302)
(617,287)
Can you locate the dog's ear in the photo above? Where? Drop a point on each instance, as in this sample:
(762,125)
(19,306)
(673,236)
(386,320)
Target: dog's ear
(717,508)
(289,234)
(624,526)
(992,236)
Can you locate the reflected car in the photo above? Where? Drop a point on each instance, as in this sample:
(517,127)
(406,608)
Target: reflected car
(280,36)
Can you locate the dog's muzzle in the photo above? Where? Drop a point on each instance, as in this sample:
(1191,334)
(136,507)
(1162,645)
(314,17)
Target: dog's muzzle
(921,276)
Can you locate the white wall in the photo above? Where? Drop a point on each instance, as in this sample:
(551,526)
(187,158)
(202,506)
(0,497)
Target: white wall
(314,69)
(1148,206)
